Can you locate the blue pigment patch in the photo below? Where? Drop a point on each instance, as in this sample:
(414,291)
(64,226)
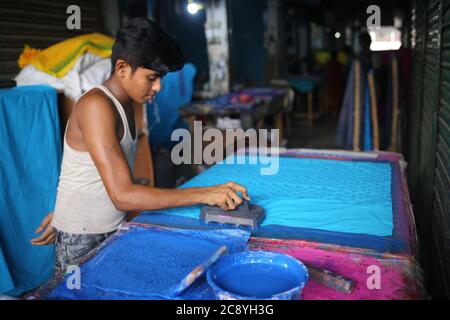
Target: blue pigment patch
(146,263)
(331,195)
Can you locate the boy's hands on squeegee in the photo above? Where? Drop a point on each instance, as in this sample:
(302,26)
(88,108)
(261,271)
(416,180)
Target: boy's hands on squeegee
(48,237)
(225,195)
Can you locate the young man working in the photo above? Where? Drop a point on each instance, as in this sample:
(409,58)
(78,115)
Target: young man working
(96,188)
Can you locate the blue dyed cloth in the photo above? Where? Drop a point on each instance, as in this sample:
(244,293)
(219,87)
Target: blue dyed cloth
(162,114)
(341,196)
(346,124)
(30,148)
(147,263)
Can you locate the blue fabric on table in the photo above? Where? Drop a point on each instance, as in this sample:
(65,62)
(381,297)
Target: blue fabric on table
(162,113)
(302,85)
(30,148)
(341,196)
(147,263)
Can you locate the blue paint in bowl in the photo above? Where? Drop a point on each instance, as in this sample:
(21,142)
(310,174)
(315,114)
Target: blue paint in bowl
(257,275)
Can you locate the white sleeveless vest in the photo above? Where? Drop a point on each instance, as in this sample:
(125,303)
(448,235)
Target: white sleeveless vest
(82,204)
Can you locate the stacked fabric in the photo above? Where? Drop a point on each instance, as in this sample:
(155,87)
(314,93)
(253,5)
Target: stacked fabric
(74,65)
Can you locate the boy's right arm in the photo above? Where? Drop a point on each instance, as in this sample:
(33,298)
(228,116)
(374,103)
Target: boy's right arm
(96,119)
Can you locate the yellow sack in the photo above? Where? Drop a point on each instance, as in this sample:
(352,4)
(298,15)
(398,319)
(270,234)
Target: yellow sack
(322,57)
(342,58)
(58,59)
(27,56)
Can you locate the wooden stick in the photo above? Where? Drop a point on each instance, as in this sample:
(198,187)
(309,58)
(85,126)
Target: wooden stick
(395,106)
(143,164)
(330,279)
(198,271)
(310,110)
(278,121)
(374,109)
(357,107)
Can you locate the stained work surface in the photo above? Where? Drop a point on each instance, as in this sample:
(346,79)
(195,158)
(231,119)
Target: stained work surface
(400,275)
(340,196)
(149,263)
(112,273)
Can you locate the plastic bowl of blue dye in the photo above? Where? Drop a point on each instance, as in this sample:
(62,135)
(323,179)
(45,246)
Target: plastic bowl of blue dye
(257,275)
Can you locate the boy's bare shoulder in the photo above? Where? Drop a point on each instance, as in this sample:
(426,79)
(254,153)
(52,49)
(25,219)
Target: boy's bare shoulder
(94,96)
(95,102)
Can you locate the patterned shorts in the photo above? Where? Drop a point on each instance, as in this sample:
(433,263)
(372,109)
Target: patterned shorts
(69,247)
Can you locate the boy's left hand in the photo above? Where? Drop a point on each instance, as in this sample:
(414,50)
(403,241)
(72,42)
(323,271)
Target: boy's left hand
(48,237)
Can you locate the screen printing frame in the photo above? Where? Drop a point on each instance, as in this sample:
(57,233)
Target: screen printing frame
(405,282)
(403,238)
(403,274)
(45,289)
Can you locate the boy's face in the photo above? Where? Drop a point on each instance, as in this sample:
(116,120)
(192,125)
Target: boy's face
(141,85)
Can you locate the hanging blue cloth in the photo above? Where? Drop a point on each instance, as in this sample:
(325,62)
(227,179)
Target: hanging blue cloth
(162,113)
(344,133)
(30,148)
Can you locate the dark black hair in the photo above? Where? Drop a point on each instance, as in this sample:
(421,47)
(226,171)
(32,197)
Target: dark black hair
(142,43)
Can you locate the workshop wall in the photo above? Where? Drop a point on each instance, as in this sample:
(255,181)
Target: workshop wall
(429,138)
(38,23)
(247,53)
(187,29)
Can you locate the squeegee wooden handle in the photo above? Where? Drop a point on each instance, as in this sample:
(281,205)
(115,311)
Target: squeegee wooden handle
(199,270)
(330,279)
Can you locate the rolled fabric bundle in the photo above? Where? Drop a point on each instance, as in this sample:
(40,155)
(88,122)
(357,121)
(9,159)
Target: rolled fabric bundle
(59,58)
